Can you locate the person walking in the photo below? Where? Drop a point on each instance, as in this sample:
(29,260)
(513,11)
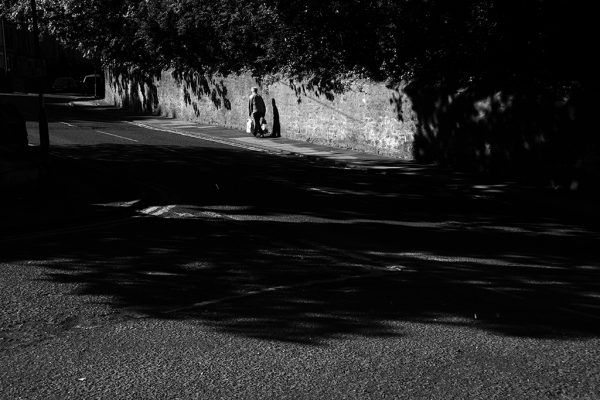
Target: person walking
(256,111)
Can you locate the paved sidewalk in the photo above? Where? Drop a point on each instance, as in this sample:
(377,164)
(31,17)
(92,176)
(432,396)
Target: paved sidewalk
(283,145)
(240,138)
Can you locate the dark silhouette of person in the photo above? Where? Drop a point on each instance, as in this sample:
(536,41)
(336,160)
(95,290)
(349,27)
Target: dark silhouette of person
(276,126)
(257,111)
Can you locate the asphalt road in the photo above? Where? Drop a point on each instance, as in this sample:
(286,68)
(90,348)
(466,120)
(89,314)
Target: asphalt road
(153,265)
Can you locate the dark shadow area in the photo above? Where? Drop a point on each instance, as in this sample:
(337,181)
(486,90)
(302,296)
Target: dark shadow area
(26,102)
(276,125)
(498,88)
(58,108)
(136,88)
(312,250)
(504,90)
(197,85)
(510,130)
(324,85)
(13,130)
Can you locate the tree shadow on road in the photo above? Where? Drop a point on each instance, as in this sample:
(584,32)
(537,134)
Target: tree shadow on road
(293,249)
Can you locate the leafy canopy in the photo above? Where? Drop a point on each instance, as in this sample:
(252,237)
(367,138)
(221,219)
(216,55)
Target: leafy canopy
(452,43)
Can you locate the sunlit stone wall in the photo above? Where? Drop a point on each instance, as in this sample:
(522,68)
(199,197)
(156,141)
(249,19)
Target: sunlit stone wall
(363,116)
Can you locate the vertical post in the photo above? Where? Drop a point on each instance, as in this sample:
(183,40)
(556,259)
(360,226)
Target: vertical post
(4,51)
(43,121)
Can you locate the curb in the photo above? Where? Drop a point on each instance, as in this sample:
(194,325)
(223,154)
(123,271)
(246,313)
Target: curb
(88,103)
(253,147)
(203,136)
(247,146)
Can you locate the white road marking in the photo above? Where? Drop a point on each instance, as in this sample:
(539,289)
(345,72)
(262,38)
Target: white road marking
(117,136)
(248,143)
(68,124)
(197,136)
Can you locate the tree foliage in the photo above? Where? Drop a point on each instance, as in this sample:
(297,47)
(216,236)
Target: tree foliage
(382,39)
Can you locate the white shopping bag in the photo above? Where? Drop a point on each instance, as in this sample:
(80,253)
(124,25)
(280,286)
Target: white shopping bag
(263,126)
(249,125)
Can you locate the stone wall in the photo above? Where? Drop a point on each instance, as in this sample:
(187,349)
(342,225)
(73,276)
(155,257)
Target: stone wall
(364,116)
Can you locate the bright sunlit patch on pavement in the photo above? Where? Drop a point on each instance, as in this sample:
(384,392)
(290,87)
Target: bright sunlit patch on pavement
(120,204)
(226,208)
(470,260)
(314,189)
(491,188)
(387,167)
(157,210)
(542,282)
(475,282)
(589,267)
(159,273)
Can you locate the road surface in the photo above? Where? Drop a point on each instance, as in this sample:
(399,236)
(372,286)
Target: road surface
(151,264)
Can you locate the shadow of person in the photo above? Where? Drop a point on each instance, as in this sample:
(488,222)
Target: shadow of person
(276,126)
